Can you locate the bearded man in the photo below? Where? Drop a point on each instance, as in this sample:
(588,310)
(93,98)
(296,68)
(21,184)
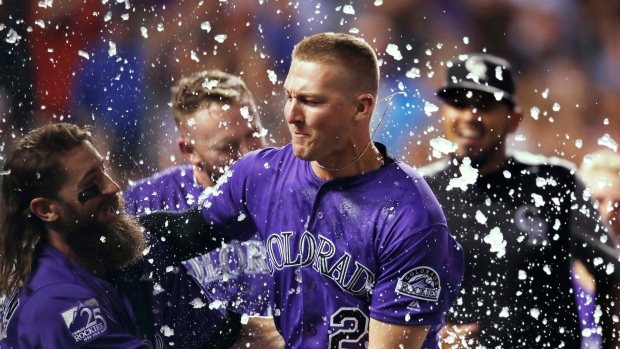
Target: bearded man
(78,272)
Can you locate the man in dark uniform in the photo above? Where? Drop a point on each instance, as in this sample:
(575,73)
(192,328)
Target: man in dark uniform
(522,221)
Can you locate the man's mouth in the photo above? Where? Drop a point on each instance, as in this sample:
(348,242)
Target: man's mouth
(470,133)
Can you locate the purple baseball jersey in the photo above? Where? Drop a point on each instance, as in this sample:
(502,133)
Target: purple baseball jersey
(63,306)
(235,274)
(341,251)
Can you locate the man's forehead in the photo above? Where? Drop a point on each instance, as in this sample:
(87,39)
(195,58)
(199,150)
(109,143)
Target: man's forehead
(216,113)
(81,159)
(311,77)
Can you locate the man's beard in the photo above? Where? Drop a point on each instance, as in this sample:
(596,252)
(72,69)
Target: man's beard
(115,243)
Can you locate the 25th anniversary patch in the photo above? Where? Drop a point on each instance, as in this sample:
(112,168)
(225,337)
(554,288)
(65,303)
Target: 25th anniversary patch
(421,283)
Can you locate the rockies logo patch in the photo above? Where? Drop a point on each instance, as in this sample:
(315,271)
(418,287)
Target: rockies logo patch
(421,283)
(85,321)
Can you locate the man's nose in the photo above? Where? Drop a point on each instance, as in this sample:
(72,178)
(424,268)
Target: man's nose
(109,185)
(470,114)
(292,111)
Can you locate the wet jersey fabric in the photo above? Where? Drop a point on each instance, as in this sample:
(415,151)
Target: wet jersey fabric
(151,304)
(235,274)
(171,308)
(521,227)
(341,251)
(63,307)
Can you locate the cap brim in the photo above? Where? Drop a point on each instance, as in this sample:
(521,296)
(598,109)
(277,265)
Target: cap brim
(448,91)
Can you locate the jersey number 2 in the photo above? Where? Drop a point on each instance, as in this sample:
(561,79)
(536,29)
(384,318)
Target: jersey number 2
(356,328)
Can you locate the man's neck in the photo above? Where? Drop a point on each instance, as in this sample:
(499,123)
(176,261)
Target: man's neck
(96,269)
(368,161)
(202,178)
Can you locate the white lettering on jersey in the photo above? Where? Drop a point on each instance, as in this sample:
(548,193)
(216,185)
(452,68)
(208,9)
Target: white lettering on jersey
(322,257)
(235,258)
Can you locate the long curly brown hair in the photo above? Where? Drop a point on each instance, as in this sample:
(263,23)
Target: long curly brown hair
(31,170)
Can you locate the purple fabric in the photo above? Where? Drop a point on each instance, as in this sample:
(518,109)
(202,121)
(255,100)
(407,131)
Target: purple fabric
(586,306)
(236,274)
(66,307)
(373,245)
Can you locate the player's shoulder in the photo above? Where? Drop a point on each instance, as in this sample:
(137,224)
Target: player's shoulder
(65,314)
(537,163)
(269,158)
(413,194)
(269,153)
(51,267)
(434,168)
(164,177)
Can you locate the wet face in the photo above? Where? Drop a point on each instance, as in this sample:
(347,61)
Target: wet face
(217,135)
(92,219)
(478,125)
(320,111)
(605,188)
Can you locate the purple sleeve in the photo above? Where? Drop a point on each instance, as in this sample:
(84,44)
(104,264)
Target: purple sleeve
(420,278)
(69,316)
(131,201)
(224,206)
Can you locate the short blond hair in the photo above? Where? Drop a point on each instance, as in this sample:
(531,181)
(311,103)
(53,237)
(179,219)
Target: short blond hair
(349,52)
(203,88)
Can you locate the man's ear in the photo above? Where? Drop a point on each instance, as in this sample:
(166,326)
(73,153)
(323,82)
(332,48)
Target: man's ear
(515,119)
(186,148)
(365,106)
(45,209)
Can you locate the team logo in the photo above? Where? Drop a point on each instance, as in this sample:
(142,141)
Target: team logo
(414,306)
(528,221)
(421,283)
(7,308)
(84,321)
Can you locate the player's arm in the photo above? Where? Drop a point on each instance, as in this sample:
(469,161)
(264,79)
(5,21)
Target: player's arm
(64,316)
(459,336)
(383,335)
(596,247)
(186,233)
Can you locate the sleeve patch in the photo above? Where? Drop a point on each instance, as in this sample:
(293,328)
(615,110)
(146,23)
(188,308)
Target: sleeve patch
(421,283)
(85,321)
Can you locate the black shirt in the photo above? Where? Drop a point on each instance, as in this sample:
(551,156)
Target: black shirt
(520,228)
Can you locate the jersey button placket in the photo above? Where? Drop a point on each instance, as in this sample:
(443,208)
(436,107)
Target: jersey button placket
(319,215)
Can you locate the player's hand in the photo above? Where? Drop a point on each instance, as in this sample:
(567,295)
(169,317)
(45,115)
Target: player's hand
(259,332)
(454,336)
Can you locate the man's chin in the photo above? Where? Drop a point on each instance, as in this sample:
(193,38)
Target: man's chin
(301,152)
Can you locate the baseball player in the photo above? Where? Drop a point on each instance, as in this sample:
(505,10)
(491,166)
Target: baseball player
(522,221)
(78,272)
(357,244)
(218,122)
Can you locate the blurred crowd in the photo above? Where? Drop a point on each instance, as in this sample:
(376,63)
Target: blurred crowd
(111,63)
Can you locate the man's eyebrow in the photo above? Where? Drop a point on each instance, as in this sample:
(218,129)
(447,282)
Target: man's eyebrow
(90,173)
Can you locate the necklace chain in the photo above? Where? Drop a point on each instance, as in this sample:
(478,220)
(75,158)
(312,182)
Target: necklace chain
(389,102)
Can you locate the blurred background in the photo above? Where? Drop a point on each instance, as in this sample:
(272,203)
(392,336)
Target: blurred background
(111,63)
